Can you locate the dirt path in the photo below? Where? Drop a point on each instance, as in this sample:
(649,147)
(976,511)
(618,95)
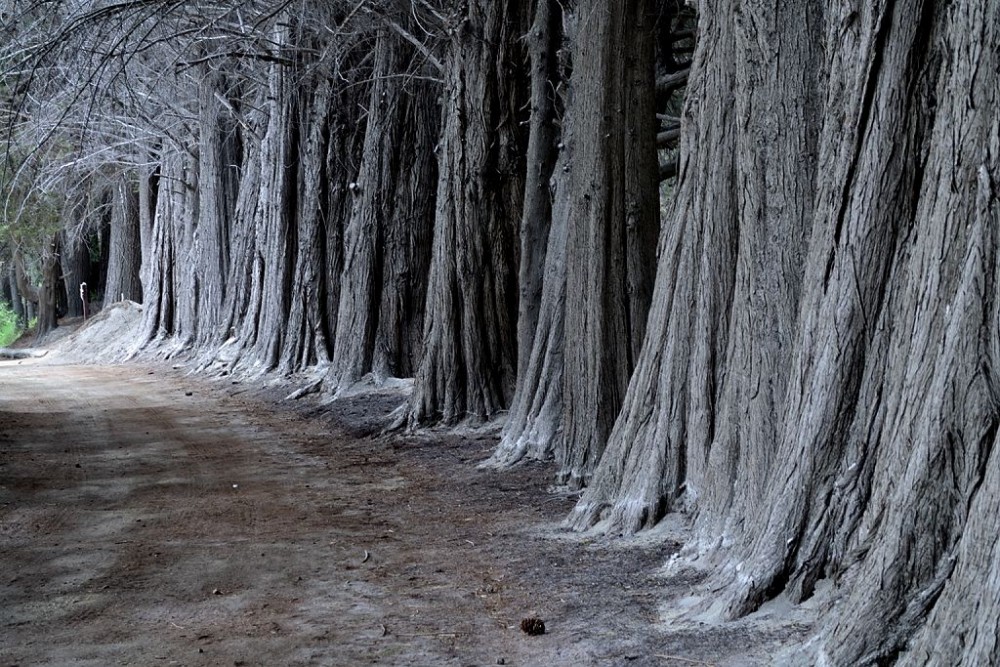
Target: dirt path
(148,519)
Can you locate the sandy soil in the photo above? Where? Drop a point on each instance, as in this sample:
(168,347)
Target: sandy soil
(148,518)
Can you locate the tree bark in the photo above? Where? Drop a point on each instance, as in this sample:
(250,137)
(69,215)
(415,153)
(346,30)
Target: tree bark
(16,299)
(75,262)
(373,206)
(615,221)
(536,216)
(536,409)
(124,247)
(307,341)
(469,353)
(218,155)
(824,393)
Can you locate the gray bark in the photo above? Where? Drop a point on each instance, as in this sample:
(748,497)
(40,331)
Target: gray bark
(831,409)
(469,356)
(75,263)
(16,300)
(217,192)
(615,212)
(364,234)
(306,340)
(408,237)
(125,247)
(536,412)
(536,216)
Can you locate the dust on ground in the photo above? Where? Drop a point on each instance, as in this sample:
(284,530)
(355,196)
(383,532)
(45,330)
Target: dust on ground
(149,517)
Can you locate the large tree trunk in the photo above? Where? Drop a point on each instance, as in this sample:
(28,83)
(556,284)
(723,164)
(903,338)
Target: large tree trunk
(364,234)
(16,299)
(170,294)
(536,215)
(43,297)
(819,373)
(469,356)
(125,247)
(387,238)
(536,407)
(408,237)
(75,262)
(614,222)
(218,155)
(265,232)
(307,340)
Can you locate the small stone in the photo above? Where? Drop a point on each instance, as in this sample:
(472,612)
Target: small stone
(216,591)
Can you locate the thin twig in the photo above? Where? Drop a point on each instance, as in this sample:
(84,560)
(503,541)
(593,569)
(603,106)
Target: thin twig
(687,660)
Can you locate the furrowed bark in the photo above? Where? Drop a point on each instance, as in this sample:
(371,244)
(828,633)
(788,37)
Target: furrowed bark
(536,407)
(469,354)
(614,214)
(125,248)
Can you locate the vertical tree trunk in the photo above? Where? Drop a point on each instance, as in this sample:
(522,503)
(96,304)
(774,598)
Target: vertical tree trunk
(387,238)
(264,234)
(168,305)
(147,186)
(831,409)
(364,234)
(125,247)
(536,216)
(16,299)
(469,356)
(306,338)
(536,409)
(614,218)
(217,154)
(75,262)
(408,237)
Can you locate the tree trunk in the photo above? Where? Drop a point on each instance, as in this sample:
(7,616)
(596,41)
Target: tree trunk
(75,262)
(469,354)
(387,238)
(168,304)
(148,185)
(307,340)
(264,233)
(536,216)
(16,299)
(614,214)
(819,373)
(364,234)
(218,153)
(42,298)
(536,406)
(125,247)
(408,237)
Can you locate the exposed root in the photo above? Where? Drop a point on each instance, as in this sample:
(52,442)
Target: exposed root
(311,388)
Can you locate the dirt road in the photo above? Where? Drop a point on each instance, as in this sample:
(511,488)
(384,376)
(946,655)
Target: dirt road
(149,519)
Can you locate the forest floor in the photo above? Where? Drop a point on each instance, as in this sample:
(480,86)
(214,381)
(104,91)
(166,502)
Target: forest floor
(148,517)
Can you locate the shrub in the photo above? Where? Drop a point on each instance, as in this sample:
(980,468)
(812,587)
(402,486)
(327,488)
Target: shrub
(9,326)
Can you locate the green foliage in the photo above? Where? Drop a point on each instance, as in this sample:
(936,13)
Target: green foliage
(9,326)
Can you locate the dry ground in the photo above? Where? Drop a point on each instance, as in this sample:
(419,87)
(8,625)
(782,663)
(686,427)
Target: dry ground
(148,518)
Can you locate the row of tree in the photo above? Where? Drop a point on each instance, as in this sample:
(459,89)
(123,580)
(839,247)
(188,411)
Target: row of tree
(800,351)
